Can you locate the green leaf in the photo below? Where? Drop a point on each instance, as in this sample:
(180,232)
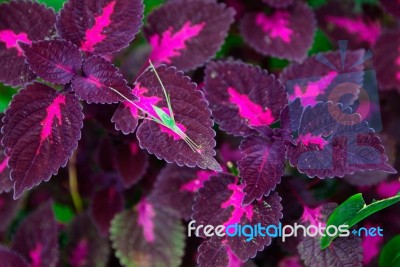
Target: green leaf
(390,255)
(354,210)
(63,213)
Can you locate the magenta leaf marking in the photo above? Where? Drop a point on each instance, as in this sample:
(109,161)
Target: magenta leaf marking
(366,31)
(134,148)
(11,39)
(168,130)
(3,164)
(35,255)
(169,44)
(95,34)
(371,245)
(398,65)
(276,25)
(309,139)
(233,260)
(235,201)
(312,216)
(249,110)
(313,89)
(80,254)
(145,102)
(145,219)
(194,185)
(388,189)
(53,111)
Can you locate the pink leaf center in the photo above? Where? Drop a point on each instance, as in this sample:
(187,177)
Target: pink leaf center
(398,65)
(388,189)
(145,219)
(196,184)
(249,110)
(95,34)
(53,111)
(276,25)
(309,139)
(366,31)
(371,246)
(3,164)
(313,89)
(170,44)
(35,255)
(235,201)
(11,39)
(312,216)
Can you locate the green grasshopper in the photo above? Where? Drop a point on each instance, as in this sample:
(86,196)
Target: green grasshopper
(167,121)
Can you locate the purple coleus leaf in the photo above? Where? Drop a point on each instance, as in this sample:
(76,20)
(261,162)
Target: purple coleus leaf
(104,205)
(285,33)
(21,22)
(219,202)
(261,167)
(100,77)
(85,247)
(6,184)
(325,77)
(194,38)
(242,96)
(100,27)
(36,238)
(279,3)
(343,251)
(41,130)
(131,162)
(387,60)
(176,188)
(339,22)
(147,236)
(189,137)
(332,141)
(11,258)
(55,61)
(8,209)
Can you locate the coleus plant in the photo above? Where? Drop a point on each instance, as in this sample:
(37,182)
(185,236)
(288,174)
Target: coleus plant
(62,62)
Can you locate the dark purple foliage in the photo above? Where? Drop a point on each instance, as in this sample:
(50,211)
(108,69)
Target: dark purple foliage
(100,27)
(37,239)
(105,204)
(391,6)
(24,22)
(8,209)
(185,99)
(55,61)
(261,166)
(279,3)
(11,259)
(285,33)
(219,202)
(99,77)
(176,188)
(43,127)
(242,96)
(186,35)
(85,247)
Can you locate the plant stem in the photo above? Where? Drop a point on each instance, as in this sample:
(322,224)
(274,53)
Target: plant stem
(73,184)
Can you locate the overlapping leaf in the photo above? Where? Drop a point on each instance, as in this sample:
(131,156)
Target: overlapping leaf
(41,130)
(325,77)
(11,259)
(285,33)
(191,114)
(25,22)
(332,141)
(387,60)
(219,202)
(242,96)
(339,22)
(100,77)
(176,188)
(100,27)
(55,61)
(105,204)
(346,251)
(147,236)
(6,184)
(131,162)
(186,35)
(36,238)
(261,167)
(126,117)
(85,247)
